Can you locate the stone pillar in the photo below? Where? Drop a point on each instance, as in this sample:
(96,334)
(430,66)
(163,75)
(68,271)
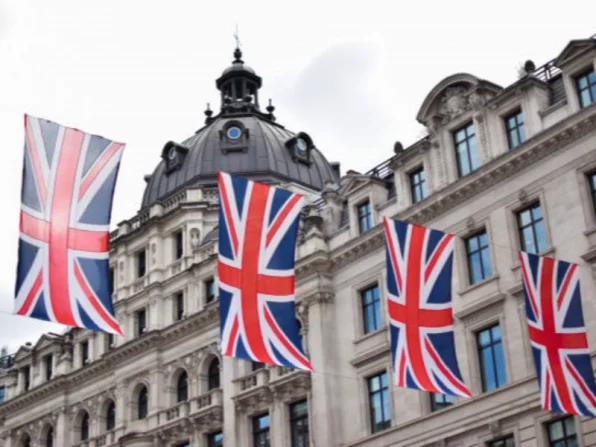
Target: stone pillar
(228,371)
(324,427)
(121,407)
(62,434)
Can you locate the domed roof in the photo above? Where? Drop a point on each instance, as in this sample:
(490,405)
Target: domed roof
(240,140)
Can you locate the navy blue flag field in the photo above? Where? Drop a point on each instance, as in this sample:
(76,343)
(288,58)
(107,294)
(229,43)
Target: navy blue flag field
(558,335)
(66,202)
(419,274)
(258,228)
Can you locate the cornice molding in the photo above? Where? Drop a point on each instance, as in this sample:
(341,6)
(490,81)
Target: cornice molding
(496,171)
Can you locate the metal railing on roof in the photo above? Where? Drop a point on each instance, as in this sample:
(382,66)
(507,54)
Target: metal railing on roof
(549,70)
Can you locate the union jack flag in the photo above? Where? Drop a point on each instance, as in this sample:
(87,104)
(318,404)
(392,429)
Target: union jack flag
(419,267)
(558,335)
(258,227)
(66,201)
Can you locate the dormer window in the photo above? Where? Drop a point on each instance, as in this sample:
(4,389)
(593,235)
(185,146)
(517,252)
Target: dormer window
(364,217)
(586,88)
(516,129)
(173,155)
(300,147)
(234,137)
(418,185)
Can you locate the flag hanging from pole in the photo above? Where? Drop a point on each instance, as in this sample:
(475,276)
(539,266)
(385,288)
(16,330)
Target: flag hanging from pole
(258,228)
(419,270)
(558,335)
(66,203)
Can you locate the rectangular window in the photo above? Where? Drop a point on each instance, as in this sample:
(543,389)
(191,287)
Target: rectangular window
(466,150)
(141,321)
(379,403)
(507,441)
(179,306)
(141,263)
(215,439)
(84,352)
(2,394)
(479,265)
(48,362)
(516,129)
(371,309)
(364,217)
(418,185)
(110,341)
(111,280)
(532,236)
(299,424)
(26,377)
(178,244)
(561,433)
(260,430)
(210,290)
(492,359)
(592,183)
(439,401)
(586,88)
(255,366)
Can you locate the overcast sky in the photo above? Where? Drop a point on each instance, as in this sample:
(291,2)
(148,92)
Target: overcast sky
(141,72)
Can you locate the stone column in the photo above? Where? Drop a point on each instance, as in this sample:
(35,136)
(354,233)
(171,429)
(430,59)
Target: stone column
(324,427)
(121,407)
(62,434)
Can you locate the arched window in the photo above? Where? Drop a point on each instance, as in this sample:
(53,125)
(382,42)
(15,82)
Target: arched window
(111,416)
(143,403)
(85,427)
(213,375)
(182,387)
(49,442)
(26,441)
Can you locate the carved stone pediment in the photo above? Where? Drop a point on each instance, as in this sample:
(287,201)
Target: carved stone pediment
(454,102)
(289,384)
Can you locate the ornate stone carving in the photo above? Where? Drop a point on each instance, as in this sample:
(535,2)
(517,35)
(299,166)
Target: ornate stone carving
(454,102)
(153,253)
(522,195)
(121,269)
(494,427)
(195,239)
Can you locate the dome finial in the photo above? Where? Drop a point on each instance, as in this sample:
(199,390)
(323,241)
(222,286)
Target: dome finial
(237,51)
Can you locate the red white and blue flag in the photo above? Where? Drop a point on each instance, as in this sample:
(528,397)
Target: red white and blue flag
(558,335)
(419,270)
(258,228)
(66,201)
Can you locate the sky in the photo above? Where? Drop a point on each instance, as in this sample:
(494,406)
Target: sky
(142,73)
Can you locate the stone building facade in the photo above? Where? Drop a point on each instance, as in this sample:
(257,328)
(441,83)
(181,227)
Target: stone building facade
(501,168)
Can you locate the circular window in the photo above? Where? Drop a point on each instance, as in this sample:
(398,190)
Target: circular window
(301,145)
(234,133)
(172,153)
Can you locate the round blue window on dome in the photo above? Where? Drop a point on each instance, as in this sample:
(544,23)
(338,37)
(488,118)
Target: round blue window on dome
(234,133)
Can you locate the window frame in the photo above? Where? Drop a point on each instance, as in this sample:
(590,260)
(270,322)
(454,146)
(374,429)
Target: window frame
(294,420)
(417,181)
(479,350)
(590,75)
(376,300)
(111,416)
(368,216)
(466,139)
(383,391)
(469,254)
(521,240)
(561,420)
(207,285)
(515,114)
(211,442)
(182,392)
(496,442)
(179,306)
(141,267)
(438,406)
(256,432)
(178,248)
(138,329)
(142,404)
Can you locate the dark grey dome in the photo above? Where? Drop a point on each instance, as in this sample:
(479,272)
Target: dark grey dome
(240,140)
(266,151)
